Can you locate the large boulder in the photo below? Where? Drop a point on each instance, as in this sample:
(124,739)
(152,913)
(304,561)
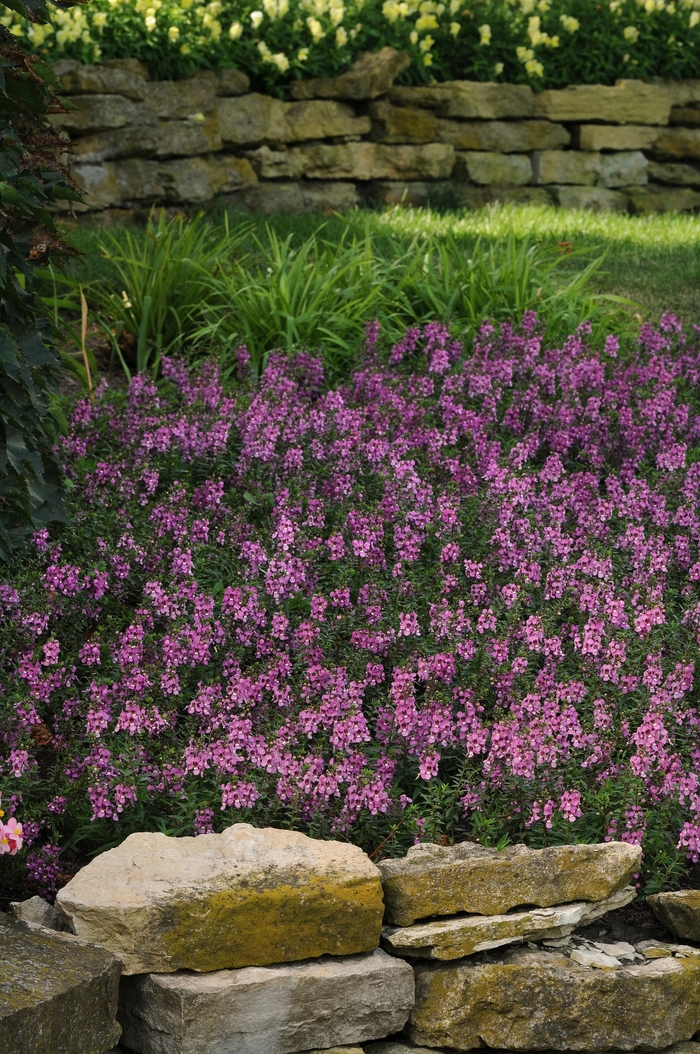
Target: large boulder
(543,1000)
(57,996)
(268,1010)
(371,75)
(444,880)
(679,912)
(246,897)
(457,938)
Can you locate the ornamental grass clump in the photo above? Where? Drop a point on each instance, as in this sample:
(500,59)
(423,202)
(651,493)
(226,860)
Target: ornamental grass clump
(457,597)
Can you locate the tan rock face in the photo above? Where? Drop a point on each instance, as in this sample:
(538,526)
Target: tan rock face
(252,119)
(246,897)
(679,911)
(676,143)
(617,137)
(540,1000)
(688,116)
(375,161)
(444,880)
(500,169)
(628,168)
(371,75)
(596,199)
(469,99)
(662,199)
(95,113)
(457,938)
(508,137)
(232,82)
(173,99)
(402,124)
(565,166)
(629,102)
(106,80)
(196,179)
(323,119)
(674,173)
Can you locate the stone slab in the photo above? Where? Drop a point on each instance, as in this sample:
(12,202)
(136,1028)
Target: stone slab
(566,166)
(252,119)
(508,137)
(57,996)
(457,938)
(444,880)
(268,1010)
(471,197)
(302,196)
(37,912)
(246,897)
(365,161)
(469,99)
(541,1000)
(106,80)
(96,113)
(371,75)
(687,116)
(178,99)
(679,912)
(594,137)
(488,168)
(595,199)
(323,119)
(402,124)
(677,143)
(232,82)
(655,198)
(627,168)
(196,179)
(628,102)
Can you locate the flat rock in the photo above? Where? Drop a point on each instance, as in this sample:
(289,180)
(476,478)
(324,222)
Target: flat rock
(323,119)
(402,124)
(617,137)
(388,1046)
(372,74)
(489,168)
(674,174)
(268,1010)
(56,996)
(95,113)
(103,79)
(627,168)
(37,912)
(655,198)
(365,161)
(471,99)
(566,166)
(679,911)
(596,199)
(246,897)
(674,144)
(540,1000)
(508,137)
(252,119)
(456,938)
(444,880)
(628,102)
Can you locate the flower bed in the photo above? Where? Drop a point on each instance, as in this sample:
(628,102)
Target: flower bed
(457,598)
(548,44)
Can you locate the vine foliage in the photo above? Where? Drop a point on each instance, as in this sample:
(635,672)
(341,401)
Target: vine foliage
(32,178)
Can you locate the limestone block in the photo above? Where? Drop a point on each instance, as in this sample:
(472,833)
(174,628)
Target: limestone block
(134,140)
(596,199)
(677,143)
(501,169)
(371,75)
(98,184)
(508,137)
(444,880)
(683,92)
(679,912)
(674,173)
(138,180)
(95,113)
(402,124)
(190,137)
(106,80)
(687,116)
(268,1010)
(252,119)
(628,168)
(271,197)
(471,99)
(246,897)
(276,164)
(540,1000)
(566,166)
(376,161)
(617,137)
(472,197)
(340,197)
(37,912)
(323,119)
(56,996)
(629,102)
(173,99)
(662,199)
(457,938)
(195,179)
(415,194)
(232,82)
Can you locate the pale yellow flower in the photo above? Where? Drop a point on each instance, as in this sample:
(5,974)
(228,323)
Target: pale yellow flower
(455,6)
(256,18)
(391,10)
(524,54)
(485,34)
(534,68)
(426,43)
(570,23)
(426,22)
(413,36)
(694,19)
(99,19)
(150,20)
(630,33)
(455,28)
(302,54)
(498,69)
(341,37)
(427,60)
(173,33)
(235,30)
(315,28)
(281,61)
(185,49)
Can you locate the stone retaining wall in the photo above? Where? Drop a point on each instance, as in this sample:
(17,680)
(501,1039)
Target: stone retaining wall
(357,139)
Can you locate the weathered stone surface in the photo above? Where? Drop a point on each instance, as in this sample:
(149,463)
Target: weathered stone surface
(106,80)
(324,196)
(173,99)
(276,164)
(402,124)
(376,161)
(508,137)
(134,140)
(187,138)
(267,1010)
(594,137)
(682,93)
(37,912)
(469,99)
(596,199)
(472,197)
(245,897)
(390,1047)
(95,113)
(371,75)
(98,184)
(323,119)
(415,194)
(252,119)
(137,180)
(336,1050)
(677,143)
(658,949)
(679,912)
(565,166)
(662,199)
(56,996)
(444,880)
(271,197)
(689,116)
(628,168)
(629,102)
(232,82)
(457,938)
(541,1000)
(202,178)
(490,168)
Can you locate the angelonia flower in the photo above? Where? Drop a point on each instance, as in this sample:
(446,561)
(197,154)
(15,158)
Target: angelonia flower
(457,593)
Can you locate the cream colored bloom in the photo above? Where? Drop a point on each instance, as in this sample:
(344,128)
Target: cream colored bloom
(630,33)
(235,30)
(413,36)
(455,28)
(391,11)
(498,69)
(426,22)
(99,19)
(302,54)
(427,59)
(485,34)
(524,54)
(455,6)
(341,37)
(426,43)
(570,23)
(173,33)
(185,49)
(534,68)
(256,18)
(315,28)
(694,19)
(281,61)
(150,20)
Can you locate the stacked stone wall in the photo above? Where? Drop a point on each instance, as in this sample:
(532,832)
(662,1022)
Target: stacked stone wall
(355,140)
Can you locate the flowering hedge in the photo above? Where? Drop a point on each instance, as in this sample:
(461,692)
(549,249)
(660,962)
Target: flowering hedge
(549,43)
(459,597)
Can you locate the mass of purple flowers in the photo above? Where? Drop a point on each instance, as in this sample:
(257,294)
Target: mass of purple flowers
(458,596)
